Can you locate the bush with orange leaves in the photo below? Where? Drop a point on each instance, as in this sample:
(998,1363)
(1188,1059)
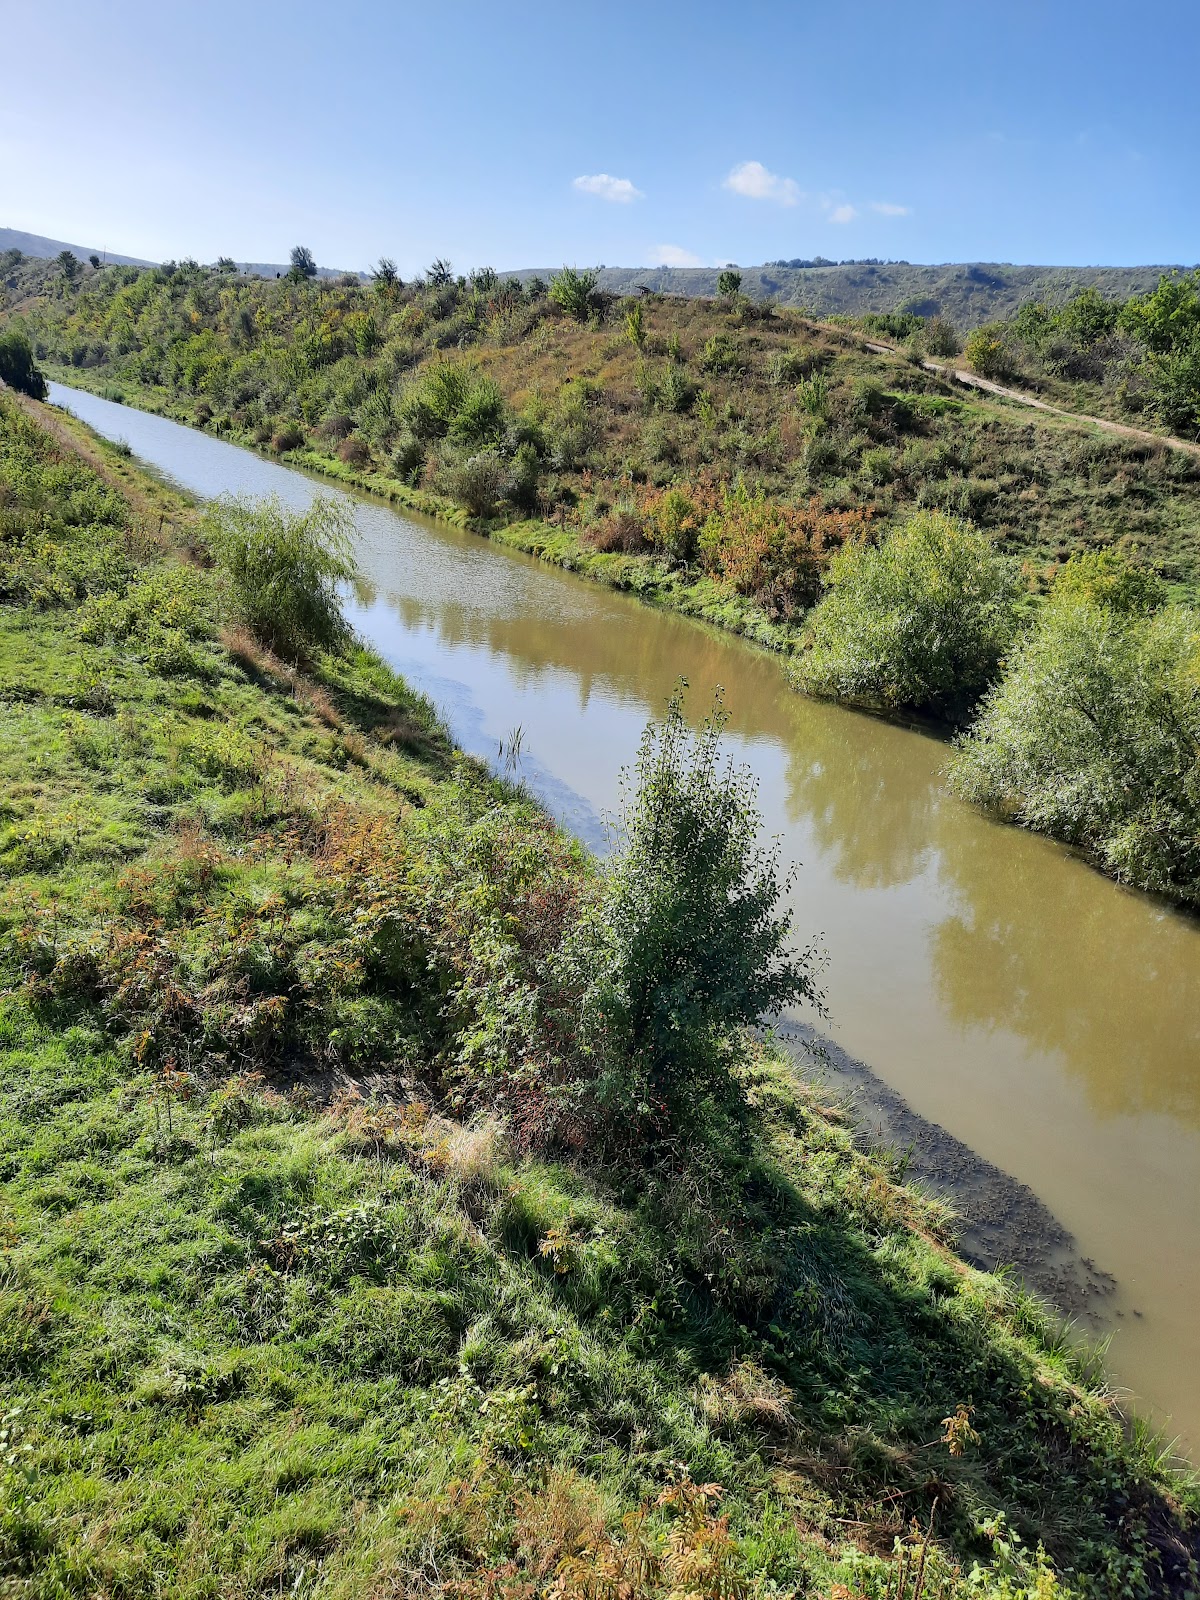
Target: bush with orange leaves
(776,553)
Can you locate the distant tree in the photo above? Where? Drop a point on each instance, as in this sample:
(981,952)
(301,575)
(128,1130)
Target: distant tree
(439,273)
(95,261)
(575,292)
(68,264)
(226,264)
(385,277)
(729,284)
(484,279)
(303,263)
(17,366)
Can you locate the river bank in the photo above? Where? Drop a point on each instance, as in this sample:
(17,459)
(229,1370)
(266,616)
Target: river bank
(1007,992)
(327,1331)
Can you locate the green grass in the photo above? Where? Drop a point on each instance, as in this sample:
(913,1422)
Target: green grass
(291,1300)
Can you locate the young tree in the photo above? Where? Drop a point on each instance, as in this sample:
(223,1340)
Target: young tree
(439,274)
(729,285)
(285,569)
(385,278)
(303,263)
(919,621)
(635,324)
(17,366)
(575,292)
(68,265)
(95,261)
(690,945)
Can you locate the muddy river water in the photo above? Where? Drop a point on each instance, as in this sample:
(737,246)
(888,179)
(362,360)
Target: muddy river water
(980,979)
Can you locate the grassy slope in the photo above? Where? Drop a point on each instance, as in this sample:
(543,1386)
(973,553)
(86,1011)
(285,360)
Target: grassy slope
(259,1334)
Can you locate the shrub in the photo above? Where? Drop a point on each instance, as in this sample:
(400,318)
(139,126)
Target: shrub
(920,621)
(721,355)
(355,452)
(289,437)
(1093,733)
(575,292)
(284,569)
(987,352)
(478,483)
(17,366)
(775,553)
(673,523)
(621,530)
(689,945)
(941,338)
(729,285)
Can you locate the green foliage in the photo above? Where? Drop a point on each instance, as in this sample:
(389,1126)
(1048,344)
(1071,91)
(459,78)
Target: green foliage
(1093,734)
(987,352)
(729,284)
(477,482)
(18,368)
(918,621)
(575,292)
(635,324)
(690,943)
(284,569)
(303,263)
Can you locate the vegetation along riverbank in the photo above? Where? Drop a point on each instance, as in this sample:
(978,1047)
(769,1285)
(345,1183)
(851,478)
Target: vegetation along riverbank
(1022,579)
(378,1219)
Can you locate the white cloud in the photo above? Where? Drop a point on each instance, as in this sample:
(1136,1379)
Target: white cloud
(885,208)
(843,213)
(606,187)
(752,179)
(673,255)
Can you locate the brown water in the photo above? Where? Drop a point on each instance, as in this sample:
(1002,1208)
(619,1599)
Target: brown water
(1045,1017)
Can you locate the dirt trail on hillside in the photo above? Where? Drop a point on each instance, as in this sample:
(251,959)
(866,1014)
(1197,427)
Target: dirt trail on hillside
(974,381)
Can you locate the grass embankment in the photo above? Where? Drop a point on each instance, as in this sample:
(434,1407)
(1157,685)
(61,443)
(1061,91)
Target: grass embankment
(291,1302)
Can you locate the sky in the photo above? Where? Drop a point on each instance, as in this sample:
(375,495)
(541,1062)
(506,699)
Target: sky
(621,134)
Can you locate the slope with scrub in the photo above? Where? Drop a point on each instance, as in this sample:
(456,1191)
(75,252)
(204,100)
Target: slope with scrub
(328,1265)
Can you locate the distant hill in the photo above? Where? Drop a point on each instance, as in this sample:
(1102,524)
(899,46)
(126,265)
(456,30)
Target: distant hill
(967,293)
(35,244)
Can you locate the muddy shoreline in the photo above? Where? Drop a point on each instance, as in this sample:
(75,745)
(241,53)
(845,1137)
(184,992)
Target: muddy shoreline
(1002,1223)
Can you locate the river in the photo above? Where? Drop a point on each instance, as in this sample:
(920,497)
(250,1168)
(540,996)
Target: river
(1046,1018)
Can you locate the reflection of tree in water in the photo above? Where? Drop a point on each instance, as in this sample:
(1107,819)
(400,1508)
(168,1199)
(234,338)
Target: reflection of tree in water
(1046,947)
(870,791)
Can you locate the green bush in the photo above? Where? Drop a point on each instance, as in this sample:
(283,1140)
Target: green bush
(689,945)
(17,366)
(478,483)
(284,569)
(987,352)
(575,292)
(1093,734)
(920,621)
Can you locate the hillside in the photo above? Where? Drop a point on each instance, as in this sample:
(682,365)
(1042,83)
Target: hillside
(965,293)
(39,248)
(626,429)
(316,1281)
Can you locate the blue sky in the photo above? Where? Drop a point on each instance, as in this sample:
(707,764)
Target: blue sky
(1056,132)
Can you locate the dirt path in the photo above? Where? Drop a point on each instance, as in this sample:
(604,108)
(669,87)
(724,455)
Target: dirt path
(973,381)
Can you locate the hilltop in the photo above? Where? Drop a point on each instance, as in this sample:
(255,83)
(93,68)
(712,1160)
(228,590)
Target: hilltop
(965,293)
(39,248)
